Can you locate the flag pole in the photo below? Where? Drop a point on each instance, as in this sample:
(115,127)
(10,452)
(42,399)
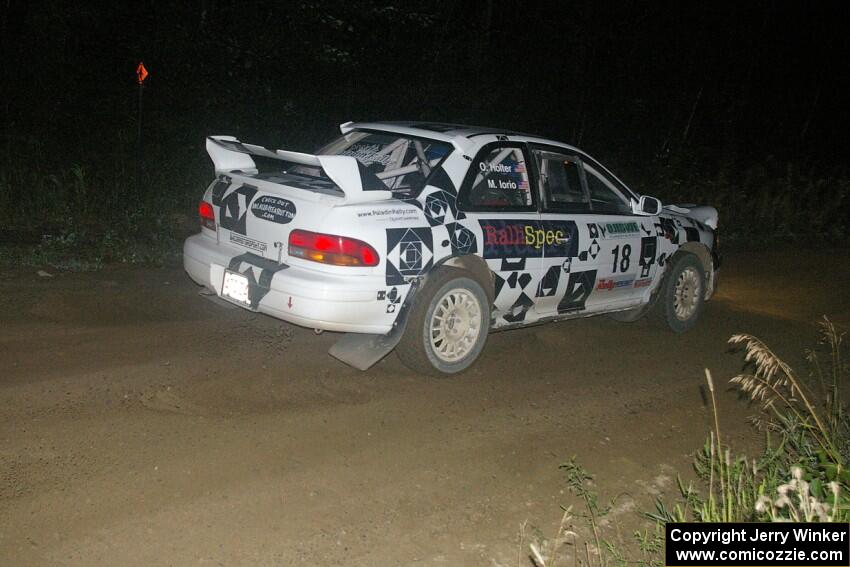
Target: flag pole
(141,75)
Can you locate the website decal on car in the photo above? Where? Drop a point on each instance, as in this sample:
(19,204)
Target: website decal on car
(274,209)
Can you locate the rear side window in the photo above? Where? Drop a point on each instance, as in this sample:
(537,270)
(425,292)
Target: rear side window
(498,180)
(401,163)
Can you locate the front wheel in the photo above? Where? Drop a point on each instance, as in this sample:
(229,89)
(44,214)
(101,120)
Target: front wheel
(682,294)
(448,325)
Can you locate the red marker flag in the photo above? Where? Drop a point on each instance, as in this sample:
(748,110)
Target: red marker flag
(141,72)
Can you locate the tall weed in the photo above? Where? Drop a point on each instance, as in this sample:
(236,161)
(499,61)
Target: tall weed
(800,476)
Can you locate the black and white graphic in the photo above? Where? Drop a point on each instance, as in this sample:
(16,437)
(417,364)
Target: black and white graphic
(549,283)
(368,180)
(234,207)
(518,310)
(393,299)
(514,292)
(409,253)
(692,234)
(579,288)
(648,250)
(440,208)
(594,249)
(441,180)
(516,278)
(219,187)
(509,264)
(462,239)
(259,272)
(667,228)
(593,232)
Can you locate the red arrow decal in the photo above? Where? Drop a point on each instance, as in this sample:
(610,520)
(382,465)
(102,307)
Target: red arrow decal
(290,302)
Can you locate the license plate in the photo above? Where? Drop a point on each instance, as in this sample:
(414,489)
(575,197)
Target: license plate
(236,288)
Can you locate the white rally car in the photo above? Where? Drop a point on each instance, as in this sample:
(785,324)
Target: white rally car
(424,237)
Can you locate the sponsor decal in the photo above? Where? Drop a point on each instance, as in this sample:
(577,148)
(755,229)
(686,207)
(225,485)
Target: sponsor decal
(274,209)
(368,154)
(610,284)
(247,242)
(391,214)
(621,229)
(643,282)
(528,238)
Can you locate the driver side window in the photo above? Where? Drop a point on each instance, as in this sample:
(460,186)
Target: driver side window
(604,196)
(498,180)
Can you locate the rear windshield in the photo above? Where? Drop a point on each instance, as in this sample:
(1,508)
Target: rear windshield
(402,163)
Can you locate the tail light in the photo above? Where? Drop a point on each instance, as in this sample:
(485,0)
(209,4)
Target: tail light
(331,249)
(205,211)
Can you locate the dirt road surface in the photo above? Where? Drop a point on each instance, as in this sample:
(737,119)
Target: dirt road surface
(144,425)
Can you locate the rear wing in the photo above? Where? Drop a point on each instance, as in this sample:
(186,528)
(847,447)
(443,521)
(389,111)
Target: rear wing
(358,184)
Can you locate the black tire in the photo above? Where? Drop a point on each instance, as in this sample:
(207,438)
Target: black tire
(681,296)
(417,350)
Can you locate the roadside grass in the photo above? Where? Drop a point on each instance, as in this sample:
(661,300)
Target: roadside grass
(757,200)
(800,476)
(95,212)
(82,209)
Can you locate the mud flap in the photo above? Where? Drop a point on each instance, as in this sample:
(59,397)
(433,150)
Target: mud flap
(362,351)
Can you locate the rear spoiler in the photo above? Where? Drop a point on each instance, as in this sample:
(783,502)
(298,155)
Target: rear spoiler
(359,185)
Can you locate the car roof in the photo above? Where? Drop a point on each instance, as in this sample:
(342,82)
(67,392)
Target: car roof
(458,134)
(462,136)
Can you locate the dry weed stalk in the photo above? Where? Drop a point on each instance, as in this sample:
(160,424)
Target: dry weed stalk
(772,382)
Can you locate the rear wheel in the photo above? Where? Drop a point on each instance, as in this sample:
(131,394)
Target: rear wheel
(682,294)
(448,325)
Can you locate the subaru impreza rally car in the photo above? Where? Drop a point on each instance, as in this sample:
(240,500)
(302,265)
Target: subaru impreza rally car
(425,237)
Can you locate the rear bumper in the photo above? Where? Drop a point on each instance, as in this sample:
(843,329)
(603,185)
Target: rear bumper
(304,297)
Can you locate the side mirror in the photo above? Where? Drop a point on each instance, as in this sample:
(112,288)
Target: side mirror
(647,206)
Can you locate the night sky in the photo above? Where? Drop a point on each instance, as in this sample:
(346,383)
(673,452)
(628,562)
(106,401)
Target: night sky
(764,76)
(706,85)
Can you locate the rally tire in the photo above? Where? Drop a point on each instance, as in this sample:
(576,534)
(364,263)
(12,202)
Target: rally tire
(681,296)
(448,325)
